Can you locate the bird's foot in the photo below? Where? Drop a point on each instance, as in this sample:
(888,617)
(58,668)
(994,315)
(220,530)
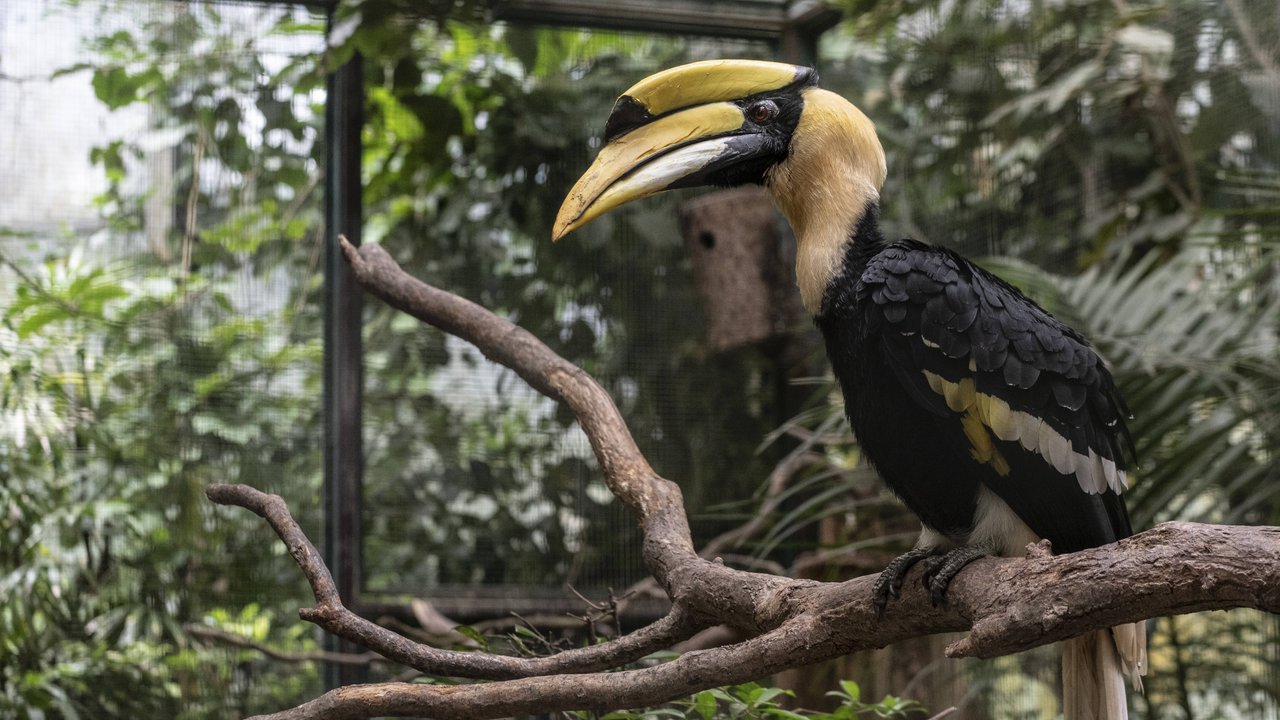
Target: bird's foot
(890,580)
(940,570)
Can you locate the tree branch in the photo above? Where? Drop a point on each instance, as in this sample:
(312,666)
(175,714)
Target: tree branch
(222,637)
(330,614)
(1009,604)
(656,500)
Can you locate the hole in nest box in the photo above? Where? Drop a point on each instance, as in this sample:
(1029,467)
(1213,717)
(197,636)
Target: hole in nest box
(708,240)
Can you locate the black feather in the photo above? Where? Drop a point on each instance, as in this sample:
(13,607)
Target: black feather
(897,310)
(1068,394)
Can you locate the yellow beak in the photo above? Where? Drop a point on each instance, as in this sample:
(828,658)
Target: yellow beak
(668,131)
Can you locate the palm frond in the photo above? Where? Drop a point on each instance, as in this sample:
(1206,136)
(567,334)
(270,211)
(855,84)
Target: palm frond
(1197,361)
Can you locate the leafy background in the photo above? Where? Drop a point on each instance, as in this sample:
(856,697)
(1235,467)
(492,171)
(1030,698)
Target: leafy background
(1120,159)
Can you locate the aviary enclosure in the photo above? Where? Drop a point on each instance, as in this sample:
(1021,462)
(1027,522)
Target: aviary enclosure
(175,312)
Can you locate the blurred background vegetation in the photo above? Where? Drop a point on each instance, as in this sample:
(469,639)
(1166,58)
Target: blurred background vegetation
(160,319)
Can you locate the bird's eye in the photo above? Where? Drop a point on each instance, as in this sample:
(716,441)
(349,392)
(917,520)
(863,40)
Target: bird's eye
(762,111)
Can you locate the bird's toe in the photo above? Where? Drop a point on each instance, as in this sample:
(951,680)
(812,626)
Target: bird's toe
(889,584)
(940,573)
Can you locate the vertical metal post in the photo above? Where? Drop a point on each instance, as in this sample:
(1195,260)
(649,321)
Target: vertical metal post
(343,371)
(806,22)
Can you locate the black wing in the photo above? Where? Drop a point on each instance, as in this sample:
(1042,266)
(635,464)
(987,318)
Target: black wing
(1035,402)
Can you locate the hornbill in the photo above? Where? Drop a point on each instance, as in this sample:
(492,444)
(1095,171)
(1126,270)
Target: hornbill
(995,423)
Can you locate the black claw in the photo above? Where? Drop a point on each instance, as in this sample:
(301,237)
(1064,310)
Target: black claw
(889,584)
(938,594)
(885,589)
(940,573)
(880,596)
(932,567)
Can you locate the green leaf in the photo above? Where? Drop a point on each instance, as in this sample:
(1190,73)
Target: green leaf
(851,690)
(785,714)
(473,634)
(398,120)
(37,320)
(704,703)
(115,87)
(762,696)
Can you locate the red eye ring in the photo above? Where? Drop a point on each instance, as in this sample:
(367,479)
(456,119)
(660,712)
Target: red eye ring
(762,111)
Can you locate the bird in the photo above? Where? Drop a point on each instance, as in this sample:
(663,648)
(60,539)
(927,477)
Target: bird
(995,423)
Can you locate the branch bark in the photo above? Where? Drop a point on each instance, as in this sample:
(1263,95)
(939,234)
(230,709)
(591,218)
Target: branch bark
(1008,604)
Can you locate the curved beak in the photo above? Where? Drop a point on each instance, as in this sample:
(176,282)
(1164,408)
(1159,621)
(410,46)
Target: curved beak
(671,130)
(650,159)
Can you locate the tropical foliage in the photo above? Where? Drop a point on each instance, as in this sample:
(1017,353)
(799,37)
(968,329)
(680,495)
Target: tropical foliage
(176,343)
(751,701)
(150,358)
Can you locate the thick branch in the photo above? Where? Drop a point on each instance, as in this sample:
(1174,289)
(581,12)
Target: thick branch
(1010,604)
(1015,604)
(1172,569)
(624,467)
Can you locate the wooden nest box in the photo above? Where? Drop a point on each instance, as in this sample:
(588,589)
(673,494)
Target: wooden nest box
(744,264)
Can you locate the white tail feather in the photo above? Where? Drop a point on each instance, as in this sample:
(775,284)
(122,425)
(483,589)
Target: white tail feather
(1093,670)
(1131,643)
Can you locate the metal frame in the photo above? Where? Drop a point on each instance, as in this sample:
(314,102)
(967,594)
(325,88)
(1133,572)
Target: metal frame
(343,350)
(785,22)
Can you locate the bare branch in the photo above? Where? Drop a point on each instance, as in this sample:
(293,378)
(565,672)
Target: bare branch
(1009,604)
(657,501)
(333,616)
(598,691)
(222,637)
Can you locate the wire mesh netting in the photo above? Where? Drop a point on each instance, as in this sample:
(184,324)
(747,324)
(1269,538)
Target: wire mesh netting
(160,245)
(501,488)
(159,331)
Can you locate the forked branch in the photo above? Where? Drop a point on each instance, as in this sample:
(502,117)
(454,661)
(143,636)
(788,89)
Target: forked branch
(330,614)
(1009,604)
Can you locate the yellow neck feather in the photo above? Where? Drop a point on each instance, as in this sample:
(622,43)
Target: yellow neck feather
(834,172)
